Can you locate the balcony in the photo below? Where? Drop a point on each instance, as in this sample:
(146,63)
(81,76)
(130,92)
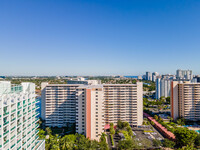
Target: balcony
(13,119)
(6,113)
(19,116)
(24,136)
(19,148)
(12,146)
(5,123)
(37,131)
(6,142)
(19,107)
(18,140)
(13,137)
(23,143)
(13,128)
(13,110)
(6,132)
(18,124)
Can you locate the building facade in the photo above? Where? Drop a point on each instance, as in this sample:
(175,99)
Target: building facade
(154,76)
(185,100)
(58,104)
(184,74)
(149,76)
(93,106)
(163,87)
(18,122)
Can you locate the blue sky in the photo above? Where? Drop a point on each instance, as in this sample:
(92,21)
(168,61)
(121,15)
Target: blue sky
(98,37)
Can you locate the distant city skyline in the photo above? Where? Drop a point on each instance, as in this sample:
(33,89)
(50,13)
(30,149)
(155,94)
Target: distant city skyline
(90,37)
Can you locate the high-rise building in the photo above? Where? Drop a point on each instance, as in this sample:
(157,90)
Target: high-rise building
(154,76)
(185,100)
(91,107)
(86,82)
(163,87)
(18,125)
(184,74)
(148,76)
(58,107)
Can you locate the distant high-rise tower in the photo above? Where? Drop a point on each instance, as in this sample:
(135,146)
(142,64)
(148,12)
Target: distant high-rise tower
(163,87)
(184,74)
(148,76)
(154,76)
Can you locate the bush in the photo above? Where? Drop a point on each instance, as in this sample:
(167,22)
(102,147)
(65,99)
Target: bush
(156,143)
(119,124)
(169,144)
(197,140)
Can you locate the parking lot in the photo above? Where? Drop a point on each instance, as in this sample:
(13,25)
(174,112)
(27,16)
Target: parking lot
(144,136)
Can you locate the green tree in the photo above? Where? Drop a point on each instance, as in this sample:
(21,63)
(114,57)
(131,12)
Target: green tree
(152,123)
(111,124)
(112,131)
(129,130)
(168,100)
(169,144)
(156,143)
(119,124)
(126,145)
(181,121)
(197,140)
(155,117)
(125,124)
(41,134)
(185,137)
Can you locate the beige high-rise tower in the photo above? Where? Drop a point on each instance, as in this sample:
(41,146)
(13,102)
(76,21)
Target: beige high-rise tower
(91,107)
(185,100)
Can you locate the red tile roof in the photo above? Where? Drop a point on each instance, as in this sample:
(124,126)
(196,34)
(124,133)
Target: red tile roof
(162,129)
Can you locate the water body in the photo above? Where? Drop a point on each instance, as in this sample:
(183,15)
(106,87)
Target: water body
(135,77)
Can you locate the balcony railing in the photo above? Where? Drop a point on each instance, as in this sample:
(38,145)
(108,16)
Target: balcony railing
(6,142)
(6,113)
(6,132)
(5,123)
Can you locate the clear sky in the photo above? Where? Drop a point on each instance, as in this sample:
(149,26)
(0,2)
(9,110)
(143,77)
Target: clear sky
(98,37)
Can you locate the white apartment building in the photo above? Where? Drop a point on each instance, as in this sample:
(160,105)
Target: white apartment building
(92,106)
(18,122)
(184,74)
(58,104)
(185,100)
(163,87)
